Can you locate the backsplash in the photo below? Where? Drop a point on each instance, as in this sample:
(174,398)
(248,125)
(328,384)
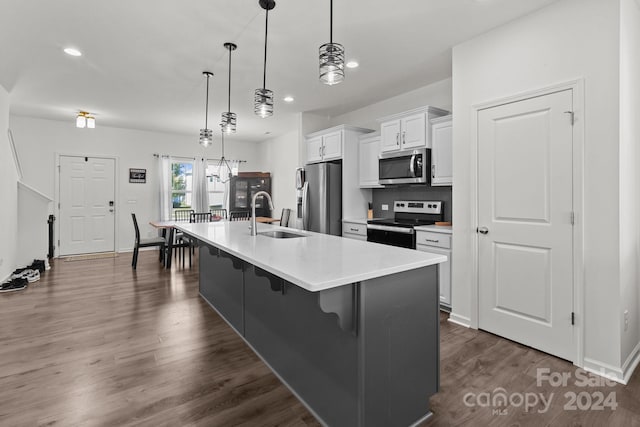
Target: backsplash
(389,195)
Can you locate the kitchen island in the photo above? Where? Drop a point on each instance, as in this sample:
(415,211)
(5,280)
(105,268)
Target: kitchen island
(351,327)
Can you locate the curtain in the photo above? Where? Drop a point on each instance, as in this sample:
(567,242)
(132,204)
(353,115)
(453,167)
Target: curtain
(200,191)
(164,178)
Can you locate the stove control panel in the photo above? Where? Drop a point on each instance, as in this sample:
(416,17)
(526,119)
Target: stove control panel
(418,206)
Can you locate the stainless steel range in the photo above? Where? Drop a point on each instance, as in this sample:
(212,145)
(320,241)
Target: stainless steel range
(398,231)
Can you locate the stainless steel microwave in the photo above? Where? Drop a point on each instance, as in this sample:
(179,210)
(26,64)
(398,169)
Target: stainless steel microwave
(404,167)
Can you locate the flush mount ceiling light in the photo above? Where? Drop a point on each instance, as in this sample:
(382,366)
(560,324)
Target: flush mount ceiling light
(331,57)
(263,98)
(84,119)
(206,134)
(228,123)
(72,51)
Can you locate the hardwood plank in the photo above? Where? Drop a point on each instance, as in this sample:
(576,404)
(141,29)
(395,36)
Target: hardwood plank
(97,343)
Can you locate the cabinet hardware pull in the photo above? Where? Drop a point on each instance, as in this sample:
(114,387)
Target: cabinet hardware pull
(354,229)
(320,151)
(433,171)
(403,137)
(433,241)
(398,138)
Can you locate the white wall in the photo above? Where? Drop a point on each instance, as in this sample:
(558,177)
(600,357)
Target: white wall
(39,140)
(629,176)
(436,95)
(280,157)
(33,229)
(564,41)
(8,194)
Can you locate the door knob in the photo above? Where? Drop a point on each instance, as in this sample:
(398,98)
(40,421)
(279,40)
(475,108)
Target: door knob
(483,230)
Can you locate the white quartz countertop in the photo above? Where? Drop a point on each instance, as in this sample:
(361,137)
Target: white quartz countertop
(315,262)
(446,229)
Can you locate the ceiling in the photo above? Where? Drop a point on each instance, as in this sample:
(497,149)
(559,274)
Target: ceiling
(142,60)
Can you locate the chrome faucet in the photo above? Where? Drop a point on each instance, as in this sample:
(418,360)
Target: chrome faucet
(254,225)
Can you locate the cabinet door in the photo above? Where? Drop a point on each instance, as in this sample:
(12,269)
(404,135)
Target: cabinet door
(441,154)
(332,146)
(414,131)
(390,135)
(444,273)
(314,149)
(368,151)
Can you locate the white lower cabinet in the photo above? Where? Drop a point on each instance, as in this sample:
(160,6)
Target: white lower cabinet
(438,243)
(354,230)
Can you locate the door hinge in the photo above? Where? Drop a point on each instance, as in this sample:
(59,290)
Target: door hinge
(58,205)
(573,218)
(573,318)
(58,242)
(571,116)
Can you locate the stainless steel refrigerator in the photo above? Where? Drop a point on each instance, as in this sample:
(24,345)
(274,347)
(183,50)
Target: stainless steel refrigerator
(322,198)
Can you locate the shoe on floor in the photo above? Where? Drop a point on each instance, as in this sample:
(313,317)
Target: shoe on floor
(46,264)
(28,274)
(37,264)
(14,285)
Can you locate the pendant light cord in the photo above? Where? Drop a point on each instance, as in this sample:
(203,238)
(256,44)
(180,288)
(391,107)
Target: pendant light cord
(264,70)
(331,22)
(229,98)
(206,107)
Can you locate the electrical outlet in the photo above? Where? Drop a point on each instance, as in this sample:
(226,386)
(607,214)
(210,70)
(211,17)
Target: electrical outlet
(626,319)
(385,207)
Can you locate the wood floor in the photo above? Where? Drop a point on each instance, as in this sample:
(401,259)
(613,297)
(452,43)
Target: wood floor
(95,343)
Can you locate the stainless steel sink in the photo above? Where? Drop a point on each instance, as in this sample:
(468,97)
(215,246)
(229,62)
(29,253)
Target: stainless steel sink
(280,234)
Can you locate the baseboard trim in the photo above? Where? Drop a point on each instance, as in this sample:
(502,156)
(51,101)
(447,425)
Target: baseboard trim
(459,320)
(604,370)
(631,363)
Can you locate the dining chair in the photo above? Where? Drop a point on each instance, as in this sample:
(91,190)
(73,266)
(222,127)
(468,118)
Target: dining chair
(221,213)
(179,239)
(182,214)
(200,217)
(146,242)
(239,215)
(284,217)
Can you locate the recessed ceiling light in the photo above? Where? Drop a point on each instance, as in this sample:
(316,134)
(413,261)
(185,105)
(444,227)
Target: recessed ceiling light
(288,99)
(72,51)
(352,64)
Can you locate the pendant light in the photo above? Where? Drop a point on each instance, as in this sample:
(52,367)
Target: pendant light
(228,123)
(222,165)
(206,134)
(331,57)
(263,99)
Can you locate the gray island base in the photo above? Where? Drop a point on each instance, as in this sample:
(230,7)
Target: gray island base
(361,354)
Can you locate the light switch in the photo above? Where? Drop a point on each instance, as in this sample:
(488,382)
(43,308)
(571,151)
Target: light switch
(385,207)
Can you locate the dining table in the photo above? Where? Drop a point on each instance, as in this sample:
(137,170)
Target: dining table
(168,231)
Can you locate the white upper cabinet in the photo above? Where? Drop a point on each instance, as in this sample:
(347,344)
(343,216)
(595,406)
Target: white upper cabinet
(408,130)
(322,147)
(368,151)
(414,131)
(314,149)
(332,146)
(442,151)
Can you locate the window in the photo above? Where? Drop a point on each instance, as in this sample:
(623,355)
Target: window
(181,185)
(215,186)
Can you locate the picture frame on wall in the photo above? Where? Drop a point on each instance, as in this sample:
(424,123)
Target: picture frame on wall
(137,176)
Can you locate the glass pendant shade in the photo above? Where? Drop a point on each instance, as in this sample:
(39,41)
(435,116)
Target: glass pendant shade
(263,103)
(81,121)
(228,123)
(206,137)
(331,63)
(91,122)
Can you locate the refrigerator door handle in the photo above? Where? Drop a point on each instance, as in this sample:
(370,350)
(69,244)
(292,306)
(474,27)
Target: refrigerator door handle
(305,206)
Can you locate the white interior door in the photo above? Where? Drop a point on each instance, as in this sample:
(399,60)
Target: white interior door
(86,212)
(525,258)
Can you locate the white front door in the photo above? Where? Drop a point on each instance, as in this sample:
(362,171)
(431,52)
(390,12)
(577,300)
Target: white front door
(525,251)
(87,211)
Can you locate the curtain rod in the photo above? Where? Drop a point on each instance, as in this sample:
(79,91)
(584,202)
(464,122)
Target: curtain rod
(194,158)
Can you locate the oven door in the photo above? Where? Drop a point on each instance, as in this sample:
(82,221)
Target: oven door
(394,236)
(406,167)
